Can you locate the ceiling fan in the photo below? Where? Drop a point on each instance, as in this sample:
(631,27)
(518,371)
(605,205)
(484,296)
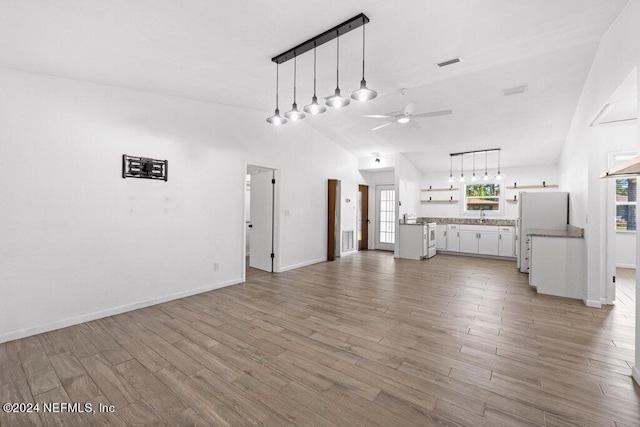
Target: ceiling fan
(406,115)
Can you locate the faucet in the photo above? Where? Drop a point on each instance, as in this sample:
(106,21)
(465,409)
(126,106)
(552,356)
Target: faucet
(482,215)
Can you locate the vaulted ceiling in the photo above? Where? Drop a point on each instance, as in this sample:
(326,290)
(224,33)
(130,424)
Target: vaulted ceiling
(219,51)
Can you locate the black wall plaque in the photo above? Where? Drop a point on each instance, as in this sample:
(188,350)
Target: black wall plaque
(144,167)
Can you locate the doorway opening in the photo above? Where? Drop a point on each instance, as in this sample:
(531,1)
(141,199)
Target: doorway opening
(260,220)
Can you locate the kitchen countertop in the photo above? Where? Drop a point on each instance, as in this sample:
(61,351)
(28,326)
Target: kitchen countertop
(470,221)
(571,232)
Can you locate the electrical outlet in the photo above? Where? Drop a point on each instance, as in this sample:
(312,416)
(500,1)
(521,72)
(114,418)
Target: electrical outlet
(216,266)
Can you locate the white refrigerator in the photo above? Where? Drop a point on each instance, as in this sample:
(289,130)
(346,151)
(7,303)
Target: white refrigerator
(548,211)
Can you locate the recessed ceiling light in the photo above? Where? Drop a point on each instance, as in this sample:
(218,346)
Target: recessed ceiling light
(515,90)
(449,62)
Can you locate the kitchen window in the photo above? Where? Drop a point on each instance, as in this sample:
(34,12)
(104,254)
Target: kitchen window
(626,200)
(479,197)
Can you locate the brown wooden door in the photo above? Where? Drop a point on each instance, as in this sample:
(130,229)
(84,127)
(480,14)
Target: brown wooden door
(363,217)
(333,218)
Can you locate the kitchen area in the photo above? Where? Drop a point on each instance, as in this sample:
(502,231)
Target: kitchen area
(539,240)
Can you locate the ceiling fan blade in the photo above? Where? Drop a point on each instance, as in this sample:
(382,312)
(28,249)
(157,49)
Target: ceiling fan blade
(393,113)
(381,126)
(415,124)
(378,116)
(433,114)
(409,108)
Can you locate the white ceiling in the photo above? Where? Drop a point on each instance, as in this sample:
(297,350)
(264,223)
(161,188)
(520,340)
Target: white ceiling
(219,51)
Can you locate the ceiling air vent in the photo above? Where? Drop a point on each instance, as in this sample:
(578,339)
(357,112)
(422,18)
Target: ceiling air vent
(449,62)
(515,90)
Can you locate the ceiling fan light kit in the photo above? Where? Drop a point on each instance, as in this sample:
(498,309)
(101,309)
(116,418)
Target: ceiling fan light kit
(406,114)
(336,100)
(498,177)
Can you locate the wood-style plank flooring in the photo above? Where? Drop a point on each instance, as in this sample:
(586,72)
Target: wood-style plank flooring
(626,287)
(366,340)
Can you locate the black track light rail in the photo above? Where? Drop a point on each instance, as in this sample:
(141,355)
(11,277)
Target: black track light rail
(471,152)
(339,30)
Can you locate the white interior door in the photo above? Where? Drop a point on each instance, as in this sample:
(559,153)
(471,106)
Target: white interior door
(261,211)
(385,217)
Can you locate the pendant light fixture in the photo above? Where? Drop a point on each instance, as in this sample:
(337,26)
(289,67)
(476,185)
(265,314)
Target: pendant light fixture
(450,168)
(277,119)
(474,178)
(337,100)
(486,175)
(364,93)
(314,108)
(499,176)
(294,114)
(462,178)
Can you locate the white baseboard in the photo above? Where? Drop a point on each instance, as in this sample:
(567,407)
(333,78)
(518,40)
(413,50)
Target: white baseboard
(625,265)
(591,303)
(302,264)
(58,324)
(635,373)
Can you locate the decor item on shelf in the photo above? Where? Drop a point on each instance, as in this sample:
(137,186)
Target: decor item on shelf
(474,177)
(314,108)
(277,119)
(336,101)
(364,93)
(406,115)
(294,114)
(144,167)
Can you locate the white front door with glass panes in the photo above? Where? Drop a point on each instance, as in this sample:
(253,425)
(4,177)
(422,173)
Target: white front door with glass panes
(483,197)
(386,217)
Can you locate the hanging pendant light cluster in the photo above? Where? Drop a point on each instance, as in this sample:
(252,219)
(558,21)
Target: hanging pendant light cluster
(498,177)
(336,100)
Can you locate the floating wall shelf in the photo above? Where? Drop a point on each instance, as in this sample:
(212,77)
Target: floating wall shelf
(515,186)
(438,201)
(440,189)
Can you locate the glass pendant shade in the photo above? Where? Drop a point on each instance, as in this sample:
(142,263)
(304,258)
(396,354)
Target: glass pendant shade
(314,108)
(474,178)
(486,177)
(499,176)
(337,100)
(277,119)
(294,114)
(462,178)
(364,93)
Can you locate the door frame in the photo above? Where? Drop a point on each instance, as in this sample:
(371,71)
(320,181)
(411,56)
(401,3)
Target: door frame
(276,217)
(363,244)
(376,209)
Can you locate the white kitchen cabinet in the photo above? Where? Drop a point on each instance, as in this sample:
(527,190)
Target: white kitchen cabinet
(441,237)
(506,242)
(557,266)
(488,243)
(453,238)
(412,242)
(469,241)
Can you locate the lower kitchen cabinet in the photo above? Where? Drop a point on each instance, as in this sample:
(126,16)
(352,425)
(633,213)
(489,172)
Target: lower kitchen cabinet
(476,239)
(453,238)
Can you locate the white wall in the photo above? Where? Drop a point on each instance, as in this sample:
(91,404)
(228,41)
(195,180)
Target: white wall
(407,179)
(581,159)
(520,176)
(79,242)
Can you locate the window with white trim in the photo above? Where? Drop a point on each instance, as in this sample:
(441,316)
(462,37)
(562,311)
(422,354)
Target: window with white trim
(482,197)
(626,200)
